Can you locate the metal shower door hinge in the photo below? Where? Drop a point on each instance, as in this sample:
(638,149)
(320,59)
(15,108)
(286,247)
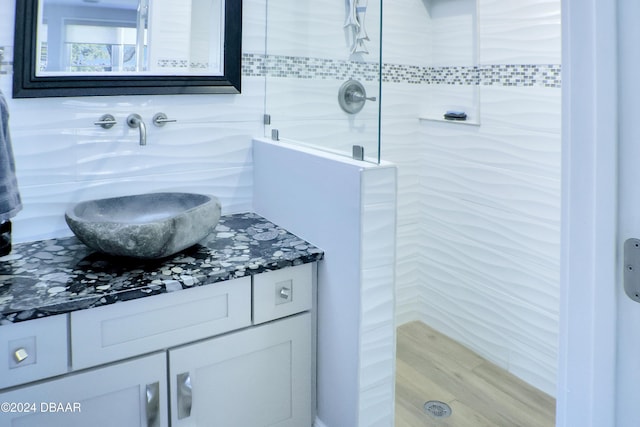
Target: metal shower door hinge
(632,268)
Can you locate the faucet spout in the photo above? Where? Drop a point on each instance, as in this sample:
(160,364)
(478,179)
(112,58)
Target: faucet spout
(135,121)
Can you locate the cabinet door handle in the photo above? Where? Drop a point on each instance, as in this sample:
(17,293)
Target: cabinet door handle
(20,355)
(153,404)
(184,395)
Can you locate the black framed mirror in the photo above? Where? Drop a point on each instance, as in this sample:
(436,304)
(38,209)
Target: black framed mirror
(54,61)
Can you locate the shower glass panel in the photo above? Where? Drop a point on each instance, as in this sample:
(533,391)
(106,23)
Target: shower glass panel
(314,48)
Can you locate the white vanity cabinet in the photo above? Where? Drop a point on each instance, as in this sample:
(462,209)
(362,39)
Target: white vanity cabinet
(238,353)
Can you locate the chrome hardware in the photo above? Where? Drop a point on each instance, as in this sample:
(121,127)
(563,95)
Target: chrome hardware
(135,121)
(285,293)
(107,121)
(266,119)
(357,152)
(153,404)
(357,97)
(184,395)
(160,119)
(20,355)
(275,135)
(631,274)
(352,96)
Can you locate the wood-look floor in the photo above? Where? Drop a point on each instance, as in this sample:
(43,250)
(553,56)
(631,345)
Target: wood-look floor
(430,366)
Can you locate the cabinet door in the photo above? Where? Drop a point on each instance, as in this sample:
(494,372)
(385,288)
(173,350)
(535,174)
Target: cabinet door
(257,377)
(132,393)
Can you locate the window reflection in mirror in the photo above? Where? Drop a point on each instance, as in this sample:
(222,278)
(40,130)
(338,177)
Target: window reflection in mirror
(121,37)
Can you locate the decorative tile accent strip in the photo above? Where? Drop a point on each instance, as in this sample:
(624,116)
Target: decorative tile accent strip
(253,65)
(173,63)
(6,65)
(545,75)
(452,75)
(521,75)
(199,65)
(307,68)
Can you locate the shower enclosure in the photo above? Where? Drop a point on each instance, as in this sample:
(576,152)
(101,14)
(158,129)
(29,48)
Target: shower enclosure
(323,68)
(478,200)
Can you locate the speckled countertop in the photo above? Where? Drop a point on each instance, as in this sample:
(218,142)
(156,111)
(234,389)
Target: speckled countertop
(57,276)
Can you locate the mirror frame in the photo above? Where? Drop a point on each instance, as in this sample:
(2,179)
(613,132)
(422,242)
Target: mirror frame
(27,85)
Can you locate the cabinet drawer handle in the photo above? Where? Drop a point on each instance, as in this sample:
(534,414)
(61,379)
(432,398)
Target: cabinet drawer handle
(153,404)
(184,395)
(285,293)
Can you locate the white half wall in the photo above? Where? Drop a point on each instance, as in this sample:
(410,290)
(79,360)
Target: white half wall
(347,208)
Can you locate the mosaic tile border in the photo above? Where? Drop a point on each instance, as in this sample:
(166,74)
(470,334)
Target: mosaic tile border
(307,68)
(6,62)
(258,65)
(542,75)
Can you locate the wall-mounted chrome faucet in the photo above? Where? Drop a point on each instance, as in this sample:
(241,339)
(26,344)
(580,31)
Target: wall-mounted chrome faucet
(135,121)
(107,121)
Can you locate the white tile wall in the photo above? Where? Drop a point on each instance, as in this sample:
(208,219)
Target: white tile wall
(479,229)
(519,32)
(61,157)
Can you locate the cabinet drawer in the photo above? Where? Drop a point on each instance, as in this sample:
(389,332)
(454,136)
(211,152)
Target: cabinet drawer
(131,394)
(131,328)
(282,293)
(34,349)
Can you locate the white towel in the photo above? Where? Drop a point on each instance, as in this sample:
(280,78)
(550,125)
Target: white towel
(10,202)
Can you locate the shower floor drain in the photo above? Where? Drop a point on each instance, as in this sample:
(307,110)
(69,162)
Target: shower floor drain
(437,409)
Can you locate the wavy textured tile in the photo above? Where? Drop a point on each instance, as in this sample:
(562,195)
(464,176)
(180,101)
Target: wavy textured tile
(378,411)
(454,32)
(204,147)
(296,99)
(415,25)
(526,31)
(536,242)
(7,13)
(531,196)
(403,102)
(44,205)
(377,354)
(526,152)
(314,29)
(534,109)
(254,25)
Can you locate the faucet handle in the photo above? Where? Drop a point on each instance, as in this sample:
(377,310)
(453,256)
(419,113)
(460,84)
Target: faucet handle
(161,119)
(107,121)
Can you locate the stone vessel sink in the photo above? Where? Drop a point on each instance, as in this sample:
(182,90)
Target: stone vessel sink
(153,225)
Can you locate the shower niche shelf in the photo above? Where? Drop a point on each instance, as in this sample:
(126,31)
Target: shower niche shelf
(452,65)
(455,122)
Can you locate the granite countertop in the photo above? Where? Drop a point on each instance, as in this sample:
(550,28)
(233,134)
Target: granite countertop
(56,276)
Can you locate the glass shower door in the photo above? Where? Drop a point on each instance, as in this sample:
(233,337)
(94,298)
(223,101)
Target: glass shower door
(322,69)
